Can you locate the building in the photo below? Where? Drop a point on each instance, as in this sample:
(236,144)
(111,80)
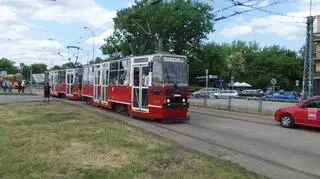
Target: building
(316,58)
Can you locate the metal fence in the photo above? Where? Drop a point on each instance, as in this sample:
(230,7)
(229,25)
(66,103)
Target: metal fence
(245,104)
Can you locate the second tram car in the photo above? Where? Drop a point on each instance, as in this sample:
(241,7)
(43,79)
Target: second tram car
(150,86)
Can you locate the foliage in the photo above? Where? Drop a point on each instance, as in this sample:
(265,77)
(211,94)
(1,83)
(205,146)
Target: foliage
(99,60)
(178,25)
(56,67)
(71,65)
(248,62)
(8,65)
(38,68)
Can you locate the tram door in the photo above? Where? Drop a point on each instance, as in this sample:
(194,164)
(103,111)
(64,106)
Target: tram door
(70,81)
(97,77)
(53,80)
(104,84)
(141,80)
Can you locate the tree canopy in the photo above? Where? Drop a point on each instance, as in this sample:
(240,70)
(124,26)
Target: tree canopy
(145,27)
(248,62)
(8,65)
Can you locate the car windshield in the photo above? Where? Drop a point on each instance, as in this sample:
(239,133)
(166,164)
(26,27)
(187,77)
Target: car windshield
(175,71)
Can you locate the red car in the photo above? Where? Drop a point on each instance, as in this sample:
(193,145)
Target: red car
(306,113)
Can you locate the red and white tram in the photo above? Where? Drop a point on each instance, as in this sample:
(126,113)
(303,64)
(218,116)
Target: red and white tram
(66,83)
(150,86)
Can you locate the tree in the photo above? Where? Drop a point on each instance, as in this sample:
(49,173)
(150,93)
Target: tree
(99,60)
(38,68)
(56,67)
(71,65)
(248,62)
(8,65)
(177,26)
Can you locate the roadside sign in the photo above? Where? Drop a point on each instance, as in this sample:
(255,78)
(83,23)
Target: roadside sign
(297,82)
(273,81)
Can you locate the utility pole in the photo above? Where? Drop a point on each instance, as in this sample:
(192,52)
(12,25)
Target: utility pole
(30,80)
(92,32)
(206,93)
(308,70)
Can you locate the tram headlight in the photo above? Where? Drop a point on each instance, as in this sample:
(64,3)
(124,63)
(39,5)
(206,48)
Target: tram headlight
(183,100)
(168,100)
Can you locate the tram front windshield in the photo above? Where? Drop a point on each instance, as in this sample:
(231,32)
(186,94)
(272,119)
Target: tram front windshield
(175,71)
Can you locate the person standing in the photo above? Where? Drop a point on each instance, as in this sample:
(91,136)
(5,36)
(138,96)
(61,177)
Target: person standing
(4,86)
(23,84)
(1,82)
(46,90)
(19,86)
(9,86)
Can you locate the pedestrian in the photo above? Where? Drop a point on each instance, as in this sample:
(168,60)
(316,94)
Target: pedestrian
(46,90)
(4,86)
(9,86)
(1,82)
(23,85)
(19,86)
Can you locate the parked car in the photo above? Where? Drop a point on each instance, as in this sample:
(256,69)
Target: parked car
(305,113)
(282,96)
(201,93)
(225,94)
(251,93)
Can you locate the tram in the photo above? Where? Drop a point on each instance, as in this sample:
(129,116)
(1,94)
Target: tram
(150,86)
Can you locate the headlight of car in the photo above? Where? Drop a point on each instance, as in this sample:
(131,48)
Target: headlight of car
(168,100)
(183,100)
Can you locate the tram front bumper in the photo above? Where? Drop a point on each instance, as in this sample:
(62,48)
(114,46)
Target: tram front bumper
(175,111)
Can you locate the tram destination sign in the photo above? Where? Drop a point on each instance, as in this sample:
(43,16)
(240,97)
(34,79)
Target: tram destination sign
(173,59)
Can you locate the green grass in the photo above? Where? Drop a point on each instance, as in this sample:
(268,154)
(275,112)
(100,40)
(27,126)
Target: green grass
(57,140)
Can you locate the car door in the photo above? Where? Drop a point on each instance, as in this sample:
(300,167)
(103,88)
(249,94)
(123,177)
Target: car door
(308,113)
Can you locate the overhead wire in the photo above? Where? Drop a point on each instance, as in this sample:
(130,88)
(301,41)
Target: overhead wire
(252,8)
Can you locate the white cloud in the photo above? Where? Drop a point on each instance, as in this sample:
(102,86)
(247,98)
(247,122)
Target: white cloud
(99,40)
(33,51)
(63,11)
(290,27)
(286,27)
(14,43)
(236,31)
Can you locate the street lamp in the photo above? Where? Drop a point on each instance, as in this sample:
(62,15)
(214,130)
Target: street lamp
(92,32)
(86,53)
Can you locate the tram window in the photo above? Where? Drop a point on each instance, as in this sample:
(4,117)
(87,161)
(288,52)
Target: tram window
(157,72)
(124,74)
(113,78)
(114,66)
(105,77)
(136,79)
(62,76)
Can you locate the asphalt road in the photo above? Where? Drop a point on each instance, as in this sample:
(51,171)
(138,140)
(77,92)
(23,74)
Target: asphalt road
(295,150)
(4,99)
(242,103)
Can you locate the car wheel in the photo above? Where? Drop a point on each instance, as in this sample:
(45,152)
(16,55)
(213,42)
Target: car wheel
(286,121)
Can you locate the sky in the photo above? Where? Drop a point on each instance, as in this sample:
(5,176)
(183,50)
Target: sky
(39,31)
